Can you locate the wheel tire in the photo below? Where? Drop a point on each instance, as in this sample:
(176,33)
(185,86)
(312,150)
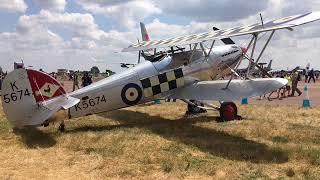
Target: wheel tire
(62,128)
(228,111)
(45,124)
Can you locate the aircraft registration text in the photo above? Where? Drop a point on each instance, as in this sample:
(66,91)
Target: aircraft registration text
(87,102)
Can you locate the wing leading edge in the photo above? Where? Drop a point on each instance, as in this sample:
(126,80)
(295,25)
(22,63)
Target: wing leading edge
(282,23)
(238,89)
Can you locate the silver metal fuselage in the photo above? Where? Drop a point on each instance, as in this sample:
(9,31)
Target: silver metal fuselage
(216,65)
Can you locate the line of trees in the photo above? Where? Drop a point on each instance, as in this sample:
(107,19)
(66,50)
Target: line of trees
(95,71)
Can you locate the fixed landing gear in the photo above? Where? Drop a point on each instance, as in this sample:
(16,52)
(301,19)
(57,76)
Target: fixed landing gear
(62,127)
(228,112)
(194,110)
(46,124)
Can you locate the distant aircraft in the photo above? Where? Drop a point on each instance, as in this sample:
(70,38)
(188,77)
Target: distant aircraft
(257,70)
(126,65)
(269,67)
(31,97)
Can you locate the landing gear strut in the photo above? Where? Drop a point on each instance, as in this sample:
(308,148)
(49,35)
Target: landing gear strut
(62,127)
(45,124)
(228,112)
(192,109)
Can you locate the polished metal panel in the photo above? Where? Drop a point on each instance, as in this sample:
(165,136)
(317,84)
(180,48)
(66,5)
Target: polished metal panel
(106,95)
(221,59)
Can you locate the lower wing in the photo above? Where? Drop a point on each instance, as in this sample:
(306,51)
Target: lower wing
(237,89)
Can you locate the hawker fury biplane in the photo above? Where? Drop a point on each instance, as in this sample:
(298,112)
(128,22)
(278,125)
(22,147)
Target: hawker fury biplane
(31,97)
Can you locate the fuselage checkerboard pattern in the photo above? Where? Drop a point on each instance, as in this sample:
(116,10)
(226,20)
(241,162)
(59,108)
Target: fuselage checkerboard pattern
(167,81)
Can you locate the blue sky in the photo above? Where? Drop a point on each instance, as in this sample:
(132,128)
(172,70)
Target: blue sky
(77,34)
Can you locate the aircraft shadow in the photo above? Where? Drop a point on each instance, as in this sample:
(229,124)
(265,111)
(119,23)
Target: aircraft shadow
(215,142)
(34,138)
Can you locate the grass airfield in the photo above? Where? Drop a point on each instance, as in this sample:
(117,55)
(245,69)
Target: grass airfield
(158,142)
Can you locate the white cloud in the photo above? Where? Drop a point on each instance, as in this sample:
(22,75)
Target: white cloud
(36,43)
(13,6)
(52,5)
(125,14)
(108,2)
(82,25)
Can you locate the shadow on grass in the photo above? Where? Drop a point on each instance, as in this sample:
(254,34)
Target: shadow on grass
(215,142)
(34,138)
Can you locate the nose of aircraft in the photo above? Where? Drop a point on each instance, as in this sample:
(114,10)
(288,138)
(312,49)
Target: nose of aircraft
(244,50)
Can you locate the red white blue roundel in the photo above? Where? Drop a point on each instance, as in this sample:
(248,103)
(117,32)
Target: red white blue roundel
(131,94)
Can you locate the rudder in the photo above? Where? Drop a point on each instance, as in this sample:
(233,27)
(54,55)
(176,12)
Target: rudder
(25,94)
(144,32)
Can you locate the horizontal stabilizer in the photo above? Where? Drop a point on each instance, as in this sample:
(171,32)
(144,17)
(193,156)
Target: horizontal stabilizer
(64,102)
(45,110)
(237,89)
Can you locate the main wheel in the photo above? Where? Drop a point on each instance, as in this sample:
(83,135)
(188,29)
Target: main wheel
(228,111)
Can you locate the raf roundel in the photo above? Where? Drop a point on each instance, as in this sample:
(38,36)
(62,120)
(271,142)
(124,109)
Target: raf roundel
(131,94)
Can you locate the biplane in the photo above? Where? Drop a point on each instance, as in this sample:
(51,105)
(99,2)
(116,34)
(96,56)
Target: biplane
(191,74)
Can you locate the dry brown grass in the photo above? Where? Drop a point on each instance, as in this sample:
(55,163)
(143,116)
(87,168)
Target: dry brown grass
(157,142)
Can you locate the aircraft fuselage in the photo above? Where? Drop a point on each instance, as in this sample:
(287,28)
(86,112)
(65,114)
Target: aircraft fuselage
(148,81)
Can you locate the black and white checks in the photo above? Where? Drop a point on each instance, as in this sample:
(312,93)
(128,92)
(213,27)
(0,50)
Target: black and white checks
(163,82)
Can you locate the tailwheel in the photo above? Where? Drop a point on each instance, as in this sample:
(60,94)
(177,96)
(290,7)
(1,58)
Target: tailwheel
(45,124)
(62,127)
(228,111)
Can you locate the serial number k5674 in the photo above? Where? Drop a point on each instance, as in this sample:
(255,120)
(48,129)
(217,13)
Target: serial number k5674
(87,102)
(15,96)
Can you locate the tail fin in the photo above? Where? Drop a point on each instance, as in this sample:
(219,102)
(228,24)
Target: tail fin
(147,54)
(144,32)
(226,41)
(269,65)
(30,97)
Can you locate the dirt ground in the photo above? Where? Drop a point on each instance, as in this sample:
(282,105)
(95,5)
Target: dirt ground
(276,140)
(313,92)
(159,142)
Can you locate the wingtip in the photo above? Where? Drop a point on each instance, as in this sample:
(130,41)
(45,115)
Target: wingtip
(283,81)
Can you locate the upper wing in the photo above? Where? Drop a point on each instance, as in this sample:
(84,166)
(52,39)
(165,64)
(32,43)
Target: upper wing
(282,23)
(214,90)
